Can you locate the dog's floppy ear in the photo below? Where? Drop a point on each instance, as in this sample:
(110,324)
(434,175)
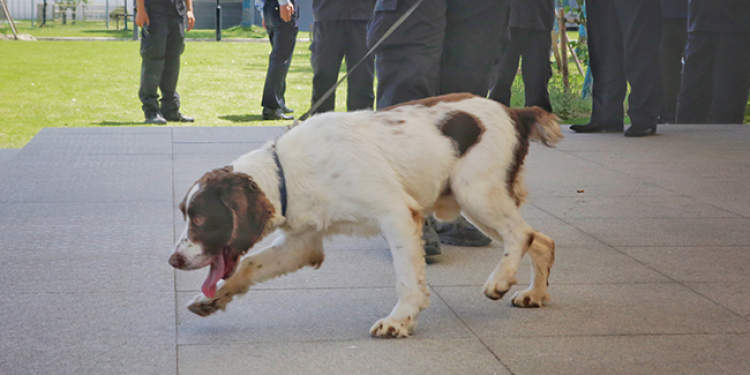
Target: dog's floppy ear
(250,208)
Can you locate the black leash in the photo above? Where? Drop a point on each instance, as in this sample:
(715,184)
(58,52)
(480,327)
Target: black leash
(282,180)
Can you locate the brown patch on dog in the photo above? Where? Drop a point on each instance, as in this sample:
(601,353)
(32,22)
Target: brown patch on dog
(233,212)
(464,129)
(433,100)
(416,216)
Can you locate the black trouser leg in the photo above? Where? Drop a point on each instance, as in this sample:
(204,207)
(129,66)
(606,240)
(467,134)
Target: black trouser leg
(506,71)
(731,78)
(282,38)
(469,47)
(359,93)
(673,39)
(535,68)
(327,50)
(606,56)
(170,99)
(694,102)
(407,64)
(640,25)
(153,50)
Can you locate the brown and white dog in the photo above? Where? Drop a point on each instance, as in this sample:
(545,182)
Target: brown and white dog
(363,173)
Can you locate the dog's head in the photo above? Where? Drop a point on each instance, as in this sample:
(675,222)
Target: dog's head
(226,214)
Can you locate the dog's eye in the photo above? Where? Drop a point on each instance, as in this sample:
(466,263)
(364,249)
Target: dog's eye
(198,220)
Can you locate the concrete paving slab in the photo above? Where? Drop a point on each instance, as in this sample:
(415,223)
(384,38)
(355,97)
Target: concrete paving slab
(57,258)
(53,143)
(459,266)
(241,134)
(667,232)
(89,215)
(601,309)
(627,355)
(230,151)
(413,356)
(586,207)
(89,180)
(696,264)
(734,296)
(307,315)
(7,154)
(87,333)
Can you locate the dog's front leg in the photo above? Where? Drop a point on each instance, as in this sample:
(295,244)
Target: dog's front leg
(287,253)
(403,233)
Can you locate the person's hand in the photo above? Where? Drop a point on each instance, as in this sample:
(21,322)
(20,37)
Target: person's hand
(286,11)
(141,18)
(191,20)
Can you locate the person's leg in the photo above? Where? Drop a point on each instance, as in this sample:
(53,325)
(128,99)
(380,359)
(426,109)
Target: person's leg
(170,99)
(640,25)
(291,34)
(673,38)
(407,63)
(507,67)
(153,49)
(359,90)
(732,79)
(465,64)
(694,101)
(326,52)
(606,56)
(536,69)
(282,38)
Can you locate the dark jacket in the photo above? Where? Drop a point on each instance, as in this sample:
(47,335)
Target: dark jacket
(674,8)
(166,7)
(532,14)
(336,10)
(272,16)
(719,15)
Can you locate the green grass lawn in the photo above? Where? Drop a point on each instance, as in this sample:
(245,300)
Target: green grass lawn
(99,29)
(81,84)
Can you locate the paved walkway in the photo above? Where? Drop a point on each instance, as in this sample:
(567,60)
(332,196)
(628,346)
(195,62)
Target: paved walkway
(651,275)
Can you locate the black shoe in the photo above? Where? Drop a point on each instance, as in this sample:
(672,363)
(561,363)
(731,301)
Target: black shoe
(461,233)
(155,118)
(595,128)
(431,242)
(178,117)
(286,109)
(275,114)
(639,131)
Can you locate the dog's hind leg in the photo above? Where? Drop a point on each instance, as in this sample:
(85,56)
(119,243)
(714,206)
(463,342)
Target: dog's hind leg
(287,253)
(402,229)
(542,252)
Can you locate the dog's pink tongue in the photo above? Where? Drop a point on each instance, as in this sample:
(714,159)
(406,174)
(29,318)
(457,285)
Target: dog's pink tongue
(214,275)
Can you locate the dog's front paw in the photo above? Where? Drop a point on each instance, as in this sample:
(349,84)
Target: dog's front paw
(389,327)
(529,298)
(497,289)
(204,306)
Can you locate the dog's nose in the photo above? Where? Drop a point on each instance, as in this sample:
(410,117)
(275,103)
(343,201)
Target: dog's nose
(177,260)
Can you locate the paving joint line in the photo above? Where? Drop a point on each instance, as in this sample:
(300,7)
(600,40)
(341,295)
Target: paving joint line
(466,325)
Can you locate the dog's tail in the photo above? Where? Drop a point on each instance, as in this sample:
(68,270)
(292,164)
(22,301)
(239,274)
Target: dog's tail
(540,125)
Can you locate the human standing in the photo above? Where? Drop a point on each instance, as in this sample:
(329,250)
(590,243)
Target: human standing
(280,20)
(531,23)
(445,46)
(623,38)
(716,75)
(673,38)
(340,31)
(162,25)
